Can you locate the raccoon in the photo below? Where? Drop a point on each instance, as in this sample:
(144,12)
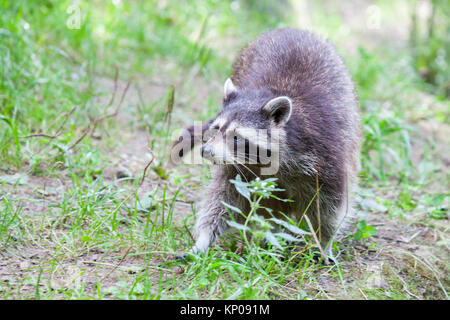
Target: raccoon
(294,85)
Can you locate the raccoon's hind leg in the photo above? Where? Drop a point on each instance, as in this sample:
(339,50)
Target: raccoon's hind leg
(327,233)
(331,220)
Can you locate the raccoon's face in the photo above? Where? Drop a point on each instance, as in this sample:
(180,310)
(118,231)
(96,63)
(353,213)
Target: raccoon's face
(249,129)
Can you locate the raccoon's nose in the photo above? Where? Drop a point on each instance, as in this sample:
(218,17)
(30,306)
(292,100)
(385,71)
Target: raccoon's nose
(206,151)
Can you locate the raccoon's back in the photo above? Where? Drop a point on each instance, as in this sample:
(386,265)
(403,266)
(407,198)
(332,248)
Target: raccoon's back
(292,62)
(325,117)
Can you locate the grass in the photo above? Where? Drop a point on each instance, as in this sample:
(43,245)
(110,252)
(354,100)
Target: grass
(77,223)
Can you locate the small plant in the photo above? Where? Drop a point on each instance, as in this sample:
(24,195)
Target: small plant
(429,45)
(386,148)
(259,228)
(364,231)
(8,220)
(438,205)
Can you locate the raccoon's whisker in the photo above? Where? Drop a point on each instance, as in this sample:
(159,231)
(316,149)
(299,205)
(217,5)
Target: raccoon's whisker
(249,170)
(242,164)
(233,163)
(242,156)
(240,171)
(247,156)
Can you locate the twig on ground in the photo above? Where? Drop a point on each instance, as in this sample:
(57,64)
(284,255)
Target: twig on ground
(94,122)
(113,96)
(84,134)
(147,165)
(364,295)
(405,287)
(427,264)
(111,101)
(116,112)
(413,236)
(58,131)
(117,265)
(36,135)
(170,102)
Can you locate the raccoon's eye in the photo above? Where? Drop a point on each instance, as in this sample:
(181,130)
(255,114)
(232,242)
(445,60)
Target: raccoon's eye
(233,134)
(208,134)
(237,135)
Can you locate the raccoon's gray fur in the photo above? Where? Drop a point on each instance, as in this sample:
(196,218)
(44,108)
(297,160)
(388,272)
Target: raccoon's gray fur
(292,82)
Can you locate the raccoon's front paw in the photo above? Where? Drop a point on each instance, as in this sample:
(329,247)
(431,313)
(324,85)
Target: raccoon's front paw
(185,257)
(188,256)
(319,258)
(182,257)
(202,244)
(329,258)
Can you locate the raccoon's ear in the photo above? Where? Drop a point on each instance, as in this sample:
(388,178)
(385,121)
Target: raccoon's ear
(228,88)
(279,109)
